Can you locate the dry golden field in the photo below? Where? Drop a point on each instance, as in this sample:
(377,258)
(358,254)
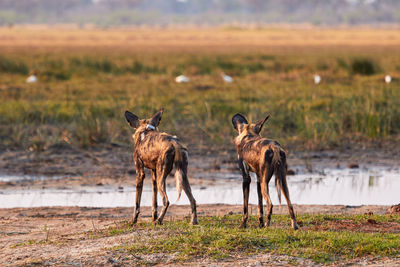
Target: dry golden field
(225,38)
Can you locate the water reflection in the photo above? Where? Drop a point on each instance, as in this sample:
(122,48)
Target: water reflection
(348,187)
(16,178)
(333,186)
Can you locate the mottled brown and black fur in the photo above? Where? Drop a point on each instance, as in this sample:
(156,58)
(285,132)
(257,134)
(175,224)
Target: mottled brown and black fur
(158,152)
(264,157)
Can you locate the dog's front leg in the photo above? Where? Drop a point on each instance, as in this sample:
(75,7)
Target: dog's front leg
(139,187)
(260,204)
(244,169)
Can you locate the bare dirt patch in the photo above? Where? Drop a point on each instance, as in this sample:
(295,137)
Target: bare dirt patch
(368,226)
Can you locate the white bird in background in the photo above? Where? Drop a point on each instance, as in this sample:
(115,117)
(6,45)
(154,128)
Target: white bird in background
(226,78)
(388,79)
(317,79)
(182,79)
(31,79)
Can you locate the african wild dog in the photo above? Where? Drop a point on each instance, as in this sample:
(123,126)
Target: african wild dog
(158,152)
(263,157)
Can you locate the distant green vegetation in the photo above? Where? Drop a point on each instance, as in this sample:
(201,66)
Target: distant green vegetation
(81,96)
(219,237)
(12,66)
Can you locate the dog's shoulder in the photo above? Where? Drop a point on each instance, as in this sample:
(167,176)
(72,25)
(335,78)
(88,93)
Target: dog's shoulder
(168,137)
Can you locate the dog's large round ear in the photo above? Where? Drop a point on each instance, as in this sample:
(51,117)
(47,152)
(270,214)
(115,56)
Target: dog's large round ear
(237,120)
(132,119)
(155,120)
(258,126)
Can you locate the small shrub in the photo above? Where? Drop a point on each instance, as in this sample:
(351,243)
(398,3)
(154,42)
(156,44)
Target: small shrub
(58,74)
(202,65)
(255,67)
(103,65)
(138,68)
(89,129)
(342,63)
(322,66)
(363,66)
(13,66)
(267,57)
(227,65)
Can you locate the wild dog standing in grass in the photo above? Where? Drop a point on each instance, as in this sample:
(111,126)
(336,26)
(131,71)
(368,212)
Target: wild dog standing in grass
(159,152)
(263,157)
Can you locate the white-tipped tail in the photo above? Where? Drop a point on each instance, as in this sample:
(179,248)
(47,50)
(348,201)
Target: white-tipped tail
(276,162)
(179,180)
(278,186)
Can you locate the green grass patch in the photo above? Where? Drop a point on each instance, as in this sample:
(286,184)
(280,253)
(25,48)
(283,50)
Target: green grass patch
(29,242)
(219,237)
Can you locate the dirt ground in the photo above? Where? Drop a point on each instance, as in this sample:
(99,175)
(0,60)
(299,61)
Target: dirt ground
(61,235)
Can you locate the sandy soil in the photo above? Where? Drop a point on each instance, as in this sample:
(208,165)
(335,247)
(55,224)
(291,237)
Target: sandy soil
(62,235)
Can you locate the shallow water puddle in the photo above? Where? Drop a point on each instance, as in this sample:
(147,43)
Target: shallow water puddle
(15,178)
(334,186)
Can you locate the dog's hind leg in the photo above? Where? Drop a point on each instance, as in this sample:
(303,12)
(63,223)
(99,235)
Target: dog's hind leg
(265,192)
(244,168)
(182,182)
(164,167)
(187,189)
(154,207)
(281,173)
(260,204)
(266,173)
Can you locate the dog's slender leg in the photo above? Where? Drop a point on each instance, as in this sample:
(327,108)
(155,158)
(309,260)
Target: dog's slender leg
(161,189)
(164,167)
(282,175)
(260,204)
(154,207)
(265,192)
(246,191)
(139,187)
(188,191)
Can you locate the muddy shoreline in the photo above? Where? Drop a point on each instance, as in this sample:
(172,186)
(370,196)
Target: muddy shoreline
(113,166)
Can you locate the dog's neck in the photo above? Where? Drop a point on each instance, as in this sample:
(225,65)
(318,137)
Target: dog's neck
(150,127)
(246,134)
(141,133)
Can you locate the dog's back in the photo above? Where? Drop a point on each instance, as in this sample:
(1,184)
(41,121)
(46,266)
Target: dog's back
(257,151)
(152,145)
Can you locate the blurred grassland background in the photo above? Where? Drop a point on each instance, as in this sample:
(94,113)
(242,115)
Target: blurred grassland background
(87,78)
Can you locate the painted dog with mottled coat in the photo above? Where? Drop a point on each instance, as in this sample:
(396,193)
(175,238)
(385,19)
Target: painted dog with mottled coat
(264,157)
(158,152)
